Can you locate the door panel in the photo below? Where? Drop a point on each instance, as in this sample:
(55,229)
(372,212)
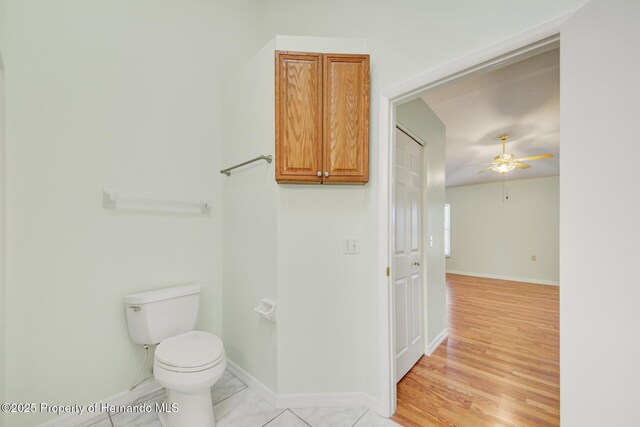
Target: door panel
(400,218)
(401,316)
(415,220)
(408,286)
(346,118)
(298,116)
(416,315)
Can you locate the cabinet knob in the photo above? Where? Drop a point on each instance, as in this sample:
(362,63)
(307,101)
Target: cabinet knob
(319,173)
(326,173)
(417,264)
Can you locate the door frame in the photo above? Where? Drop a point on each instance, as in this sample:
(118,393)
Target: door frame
(507,51)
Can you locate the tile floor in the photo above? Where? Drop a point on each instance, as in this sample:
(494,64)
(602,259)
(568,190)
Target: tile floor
(236,405)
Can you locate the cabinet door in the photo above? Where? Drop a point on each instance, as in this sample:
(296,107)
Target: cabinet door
(298,117)
(346,118)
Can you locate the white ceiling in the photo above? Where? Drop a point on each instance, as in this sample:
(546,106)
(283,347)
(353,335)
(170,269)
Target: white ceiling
(521,100)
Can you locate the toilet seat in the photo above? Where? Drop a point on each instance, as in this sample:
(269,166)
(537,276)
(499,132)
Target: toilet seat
(193,351)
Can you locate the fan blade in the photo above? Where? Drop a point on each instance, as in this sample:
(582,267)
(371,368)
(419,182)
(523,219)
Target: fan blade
(522,166)
(530,158)
(485,170)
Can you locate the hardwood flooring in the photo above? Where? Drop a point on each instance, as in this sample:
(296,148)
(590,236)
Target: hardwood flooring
(500,365)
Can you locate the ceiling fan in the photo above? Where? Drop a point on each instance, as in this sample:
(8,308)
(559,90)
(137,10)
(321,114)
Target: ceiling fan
(506,162)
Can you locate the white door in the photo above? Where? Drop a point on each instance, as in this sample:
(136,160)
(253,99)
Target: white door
(407,271)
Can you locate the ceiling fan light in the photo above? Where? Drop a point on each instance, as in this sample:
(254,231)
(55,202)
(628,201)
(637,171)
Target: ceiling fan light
(503,167)
(506,162)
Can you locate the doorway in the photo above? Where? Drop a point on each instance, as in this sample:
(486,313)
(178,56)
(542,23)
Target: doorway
(521,47)
(502,347)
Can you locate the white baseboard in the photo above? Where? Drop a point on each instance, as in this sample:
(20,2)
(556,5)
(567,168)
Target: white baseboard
(433,345)
(327,400)
(303,400)
(510,278)
(253,383)
(124,398)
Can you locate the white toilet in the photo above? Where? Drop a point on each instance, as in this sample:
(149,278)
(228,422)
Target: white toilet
(187,362)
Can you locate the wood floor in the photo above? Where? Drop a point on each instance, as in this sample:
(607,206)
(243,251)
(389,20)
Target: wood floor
(500,364)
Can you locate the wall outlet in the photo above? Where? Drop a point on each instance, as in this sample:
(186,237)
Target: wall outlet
(534,258)
(351,245)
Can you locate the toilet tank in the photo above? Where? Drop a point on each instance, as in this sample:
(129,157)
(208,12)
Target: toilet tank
(159,314)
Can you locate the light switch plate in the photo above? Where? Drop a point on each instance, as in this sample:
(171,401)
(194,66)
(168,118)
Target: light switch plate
(351,245)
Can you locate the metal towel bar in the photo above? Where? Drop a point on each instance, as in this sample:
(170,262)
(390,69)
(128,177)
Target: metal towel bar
(227,171)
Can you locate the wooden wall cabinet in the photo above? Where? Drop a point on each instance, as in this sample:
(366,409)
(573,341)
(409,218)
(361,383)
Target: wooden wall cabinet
(322,118)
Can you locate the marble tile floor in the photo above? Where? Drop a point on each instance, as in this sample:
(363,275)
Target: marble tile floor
(236,405)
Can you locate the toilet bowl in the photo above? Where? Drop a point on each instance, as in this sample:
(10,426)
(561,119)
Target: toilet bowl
(186,362)
(187,366)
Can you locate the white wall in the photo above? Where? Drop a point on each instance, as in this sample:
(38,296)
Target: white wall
(262,253)
(250,239)
(324,301)
(404,38)
(3,322)
(411,36)
(423,122)
(599,212)
(2,25)
(495,238)
(113,94)
(124,94)
(2,211)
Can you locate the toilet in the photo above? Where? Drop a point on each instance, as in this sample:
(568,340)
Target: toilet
(187,362)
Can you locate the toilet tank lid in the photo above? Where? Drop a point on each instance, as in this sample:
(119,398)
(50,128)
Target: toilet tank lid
(162,294)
